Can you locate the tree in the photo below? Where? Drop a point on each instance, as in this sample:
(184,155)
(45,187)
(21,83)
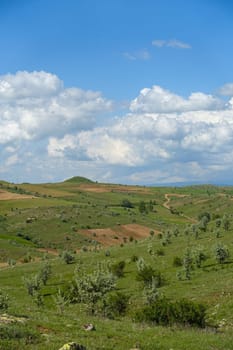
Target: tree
(89,288)
(225,222)
(67,257)
(45,273)
(221,253)
(4,301)
(187,264)
(126,204)
(199,256)
(142,207)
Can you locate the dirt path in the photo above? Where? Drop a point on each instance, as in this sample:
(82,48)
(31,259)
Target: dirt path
(166,205)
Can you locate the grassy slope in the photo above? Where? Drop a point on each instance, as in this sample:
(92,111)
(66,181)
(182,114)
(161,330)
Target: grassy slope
(56,219)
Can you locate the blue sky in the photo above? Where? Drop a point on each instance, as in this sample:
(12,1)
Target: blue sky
(119,91)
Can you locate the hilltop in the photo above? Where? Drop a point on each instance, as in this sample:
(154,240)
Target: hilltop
(79,180)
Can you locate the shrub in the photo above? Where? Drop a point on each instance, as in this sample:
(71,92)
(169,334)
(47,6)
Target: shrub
(146,274)
(4,301)
(115,305)
(32,284)
(67,257)
(45,273)
(177,261)
(221,253)
(126,204)
(90,288)
(16,332)
(118,269)
(165,312)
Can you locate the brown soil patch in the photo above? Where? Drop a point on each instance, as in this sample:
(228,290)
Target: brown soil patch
(113,188)
(119,234)
(5,195)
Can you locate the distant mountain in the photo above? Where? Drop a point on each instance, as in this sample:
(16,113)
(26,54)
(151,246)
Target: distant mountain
(79,180)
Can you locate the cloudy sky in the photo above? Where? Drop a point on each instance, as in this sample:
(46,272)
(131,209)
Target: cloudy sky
(126,91)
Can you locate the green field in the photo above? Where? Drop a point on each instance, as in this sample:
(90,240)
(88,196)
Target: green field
(184,224)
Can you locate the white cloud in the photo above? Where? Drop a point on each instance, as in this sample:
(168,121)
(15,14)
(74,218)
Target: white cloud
(142,55)
(159,100)
(36,105)
(184,138)
(226,90)
(163,138)
(173,43)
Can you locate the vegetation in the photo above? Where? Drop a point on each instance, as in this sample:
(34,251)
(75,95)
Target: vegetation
(118,257)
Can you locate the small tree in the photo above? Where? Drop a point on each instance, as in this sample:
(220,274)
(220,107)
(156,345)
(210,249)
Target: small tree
(118,269)
(146,274)
(90,288)
(142,207)
(67,257)
(187,264)
(45,273)
(126,204)
(221,253)
(199,256)
(4,301)
(61,300)
(115,305)
(151,292)
(32,284)
(225,222)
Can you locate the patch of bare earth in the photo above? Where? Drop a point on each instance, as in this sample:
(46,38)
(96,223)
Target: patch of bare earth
(112,188)
(5,195)
(119,234)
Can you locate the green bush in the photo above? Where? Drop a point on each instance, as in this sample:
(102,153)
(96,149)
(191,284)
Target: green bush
(4,300)
(166,313)
(115,305)
(177,261)
(17,332)
(118,269)
(147,274)
(67,257)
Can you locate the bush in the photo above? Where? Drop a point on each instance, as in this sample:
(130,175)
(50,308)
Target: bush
(45,273)
(17,332)
(177,261)
(67,257)
(118,269)
(146,274)
(115,305)
(221,253)
(165,312)
(4,299)
(126,204)
(90,288)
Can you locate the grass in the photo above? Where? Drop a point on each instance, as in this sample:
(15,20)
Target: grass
(58,223)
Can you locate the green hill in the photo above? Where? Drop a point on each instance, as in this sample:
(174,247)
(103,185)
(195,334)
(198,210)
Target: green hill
(79,180)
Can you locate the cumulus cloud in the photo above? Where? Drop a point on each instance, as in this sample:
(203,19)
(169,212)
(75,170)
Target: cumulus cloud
(159,100)
(163,137)
(36,105)
(226,90)
(173,43)
(184,137)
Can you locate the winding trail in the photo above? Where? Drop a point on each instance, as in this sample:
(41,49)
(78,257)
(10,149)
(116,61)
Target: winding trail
(166,205)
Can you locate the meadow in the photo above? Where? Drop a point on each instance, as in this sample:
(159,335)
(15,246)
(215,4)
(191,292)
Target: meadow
(113,256)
